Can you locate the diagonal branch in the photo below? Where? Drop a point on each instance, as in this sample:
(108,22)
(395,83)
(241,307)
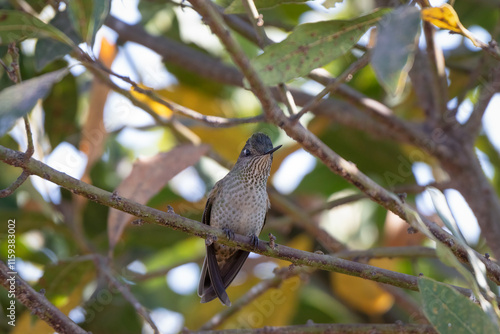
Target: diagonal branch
(15,75)
(102,264)
(313,144)
(312,328)
(213,69)
(38,304)
(16,184)
(390,252)
(473,125)
(195,228)
(334,85)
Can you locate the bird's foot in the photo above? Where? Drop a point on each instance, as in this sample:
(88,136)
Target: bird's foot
(254,241)
(229,233)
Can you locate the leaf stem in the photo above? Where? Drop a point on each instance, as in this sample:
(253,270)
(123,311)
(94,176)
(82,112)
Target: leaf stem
(333,85)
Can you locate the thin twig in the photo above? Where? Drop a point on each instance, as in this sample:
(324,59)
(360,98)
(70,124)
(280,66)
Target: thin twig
(14,74)
(212,121)
(262,41)
(387,252)
(334,85)
(382,114)
(16,184)
(337,202)
(474,76)
(303,219)
(215,22)
(257,22)
(473,125)
(103,265)
(159,272)
(406,302)
(436,58)
(287,98)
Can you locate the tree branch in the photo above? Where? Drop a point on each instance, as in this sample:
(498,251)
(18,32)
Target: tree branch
(38,304)
(212,121)
(398,328)
(390,252)
(332,160)
(15,75)
(473,125)
(102,265)
(16,184)
(439,80)
(303,219)
(190,59)
(195,228)
(334,85)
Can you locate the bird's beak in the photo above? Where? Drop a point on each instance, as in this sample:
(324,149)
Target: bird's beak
(272,150)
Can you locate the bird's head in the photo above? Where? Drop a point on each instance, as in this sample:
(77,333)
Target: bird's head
(258,146)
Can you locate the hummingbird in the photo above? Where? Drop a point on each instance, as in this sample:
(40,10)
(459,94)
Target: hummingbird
(237,203)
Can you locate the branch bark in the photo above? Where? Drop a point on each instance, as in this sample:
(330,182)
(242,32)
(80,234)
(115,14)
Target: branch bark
(38,304)
(213,69)
(195,228)
(399,328)
(449,153)
(360,113)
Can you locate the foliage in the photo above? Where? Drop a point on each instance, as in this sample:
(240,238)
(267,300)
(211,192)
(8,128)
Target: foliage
(112,273)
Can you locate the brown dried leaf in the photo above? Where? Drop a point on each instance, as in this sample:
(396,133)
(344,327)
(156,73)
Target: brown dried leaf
(148,176)
(94,133)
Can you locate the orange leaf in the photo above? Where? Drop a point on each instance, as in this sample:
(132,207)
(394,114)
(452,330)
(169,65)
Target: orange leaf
(148,176)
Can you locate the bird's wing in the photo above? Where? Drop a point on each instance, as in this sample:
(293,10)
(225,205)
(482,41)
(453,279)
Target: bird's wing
(233,266)
(212,282)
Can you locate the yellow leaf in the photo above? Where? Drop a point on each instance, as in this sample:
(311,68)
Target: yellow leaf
(276,306)
(362,294)
(445,17)
(227,142)
(158,108)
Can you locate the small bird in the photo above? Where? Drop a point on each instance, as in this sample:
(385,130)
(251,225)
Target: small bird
(238,203)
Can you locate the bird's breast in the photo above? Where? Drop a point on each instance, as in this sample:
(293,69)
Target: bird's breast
(240,207)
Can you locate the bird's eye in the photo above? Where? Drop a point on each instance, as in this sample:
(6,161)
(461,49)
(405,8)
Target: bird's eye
(246,152)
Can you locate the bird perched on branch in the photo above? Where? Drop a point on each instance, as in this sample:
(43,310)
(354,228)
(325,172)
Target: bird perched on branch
(238,203)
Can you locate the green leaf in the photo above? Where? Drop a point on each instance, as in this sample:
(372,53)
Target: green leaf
(88,16)
(60,279)
(331,3)
(15,26)
(99,13)
(47,49)
(443,210)
(60,107)
(237,7)
(394,52)
(311,45)
(18,100)
(476,281)
(451,312)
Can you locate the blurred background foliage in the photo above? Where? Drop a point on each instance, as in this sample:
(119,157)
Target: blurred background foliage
(88,122)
